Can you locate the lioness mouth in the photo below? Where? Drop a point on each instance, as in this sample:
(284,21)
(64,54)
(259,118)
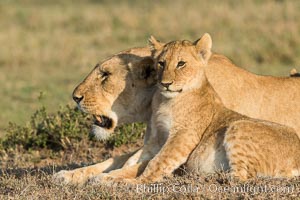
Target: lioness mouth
(103,121)
(173,90)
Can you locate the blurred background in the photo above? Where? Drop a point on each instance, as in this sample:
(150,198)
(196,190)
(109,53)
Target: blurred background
(47,47)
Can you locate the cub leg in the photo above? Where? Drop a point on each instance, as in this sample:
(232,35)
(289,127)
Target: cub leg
(209,156)
(173,154)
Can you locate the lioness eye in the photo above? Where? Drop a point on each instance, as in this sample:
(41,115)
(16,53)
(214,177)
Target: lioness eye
(180,64)
(104,75)
(161,64)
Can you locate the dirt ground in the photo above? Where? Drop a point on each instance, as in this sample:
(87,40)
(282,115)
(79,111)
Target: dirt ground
(29,176)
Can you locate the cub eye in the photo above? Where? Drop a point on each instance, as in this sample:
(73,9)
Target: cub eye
(161,64)
(180,64)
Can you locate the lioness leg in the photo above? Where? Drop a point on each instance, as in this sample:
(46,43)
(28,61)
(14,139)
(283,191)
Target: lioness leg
(81,175)
(262,148)
(144,154)
(133,167)
(118,175)
(129,171)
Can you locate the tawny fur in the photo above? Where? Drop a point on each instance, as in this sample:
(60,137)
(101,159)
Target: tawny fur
(261,97)
(229,81)
(199,118)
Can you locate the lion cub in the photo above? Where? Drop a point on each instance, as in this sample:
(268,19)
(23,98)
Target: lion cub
(196,129)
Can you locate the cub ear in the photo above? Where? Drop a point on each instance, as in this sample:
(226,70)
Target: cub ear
(154,44)
(203,46)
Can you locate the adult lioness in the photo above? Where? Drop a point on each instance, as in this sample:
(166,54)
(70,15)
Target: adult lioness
(262,97)
(188,113)
(118,90)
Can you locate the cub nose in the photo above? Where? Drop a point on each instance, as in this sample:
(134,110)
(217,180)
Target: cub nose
(77,99)
(166,84)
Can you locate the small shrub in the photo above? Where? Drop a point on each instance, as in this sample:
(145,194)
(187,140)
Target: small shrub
(52,131)
(126,134)
(62,130)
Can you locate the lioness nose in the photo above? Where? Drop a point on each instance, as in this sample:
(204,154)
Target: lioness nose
(166,84)
(77,99)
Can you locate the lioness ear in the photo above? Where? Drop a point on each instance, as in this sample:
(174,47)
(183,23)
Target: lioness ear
(154,44)
(203,46)
(147,68)
(144,70)
(294,73)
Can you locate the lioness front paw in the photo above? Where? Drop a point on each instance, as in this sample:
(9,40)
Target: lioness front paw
(69,177)
(102,179)
(131,181)
(109,180)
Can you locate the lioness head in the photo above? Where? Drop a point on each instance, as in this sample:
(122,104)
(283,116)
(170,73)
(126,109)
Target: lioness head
(180,64)
(118,91)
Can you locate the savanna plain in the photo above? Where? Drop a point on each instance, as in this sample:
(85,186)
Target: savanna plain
(48,47)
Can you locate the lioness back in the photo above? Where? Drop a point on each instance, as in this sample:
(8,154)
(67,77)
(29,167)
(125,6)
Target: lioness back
(269,98)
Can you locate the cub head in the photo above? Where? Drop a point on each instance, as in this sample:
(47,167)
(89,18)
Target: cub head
(180,64)
(118,90)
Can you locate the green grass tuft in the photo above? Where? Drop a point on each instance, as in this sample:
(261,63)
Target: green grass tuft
(126,134)
(61,130)
(52,131)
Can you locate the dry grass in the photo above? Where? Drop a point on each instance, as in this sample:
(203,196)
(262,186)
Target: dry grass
(37,183)
(27,185)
